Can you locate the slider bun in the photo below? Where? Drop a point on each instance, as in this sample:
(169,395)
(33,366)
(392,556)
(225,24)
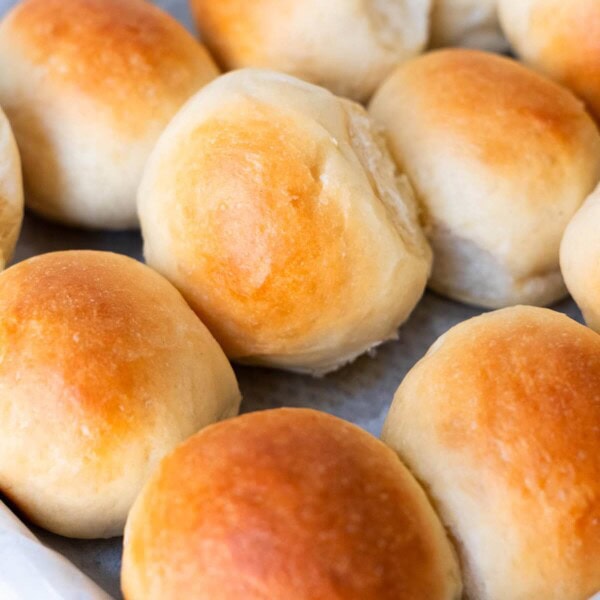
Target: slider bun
(580,259)
(500,422)
(501,159)
(471,23)
(103,370)
(559,38)
(346,46)
(11,192)
(88,86)
(288,503)
(276,209)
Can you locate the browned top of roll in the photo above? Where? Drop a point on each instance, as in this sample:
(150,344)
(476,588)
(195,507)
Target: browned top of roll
(104,369)
(287,503)
(127,54)
(492,104)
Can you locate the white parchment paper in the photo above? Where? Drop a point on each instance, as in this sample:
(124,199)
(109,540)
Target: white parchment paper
(31,571)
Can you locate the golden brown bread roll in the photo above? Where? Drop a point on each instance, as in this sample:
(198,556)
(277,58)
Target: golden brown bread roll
(104,369)
(276,209)
(580,259)
(470,23)
(560,38)
(348,46)
(88,86)
(288,503)
(500,421)
(11,192)
(501,159)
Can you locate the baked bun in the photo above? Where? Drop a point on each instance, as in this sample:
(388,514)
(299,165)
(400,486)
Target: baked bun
(103,370)
(559,38)
(88,86)
(348,47)
(11,192)
(501,159)
(580,259)
(276,209)
(288,503)
(500,422)
(470,23)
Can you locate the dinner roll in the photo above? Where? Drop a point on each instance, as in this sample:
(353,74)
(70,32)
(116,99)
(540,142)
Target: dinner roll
(500,422)
(471,23)
(560,38)
(88,86)
(289,503)
(11,192)
(580,259)
(501,159)
(348,46)
(103,370)
(275,208)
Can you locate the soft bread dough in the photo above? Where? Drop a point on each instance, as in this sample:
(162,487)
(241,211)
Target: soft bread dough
(11,192)
(501,159)
(104,369)
(499,421)
(276,209)
(88,86)
(287,504)
(580,259)
(348,46)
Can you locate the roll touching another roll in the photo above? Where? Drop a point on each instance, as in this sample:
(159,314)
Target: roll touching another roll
(580,259)
(288,503)
(501,159)
(104,369)
(469,23)
(88,86)
(276,209)
(346,46)
(561,39)
(11,192)
(500,423)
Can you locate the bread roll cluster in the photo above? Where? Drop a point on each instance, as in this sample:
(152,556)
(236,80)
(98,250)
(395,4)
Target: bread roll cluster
(287,226)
